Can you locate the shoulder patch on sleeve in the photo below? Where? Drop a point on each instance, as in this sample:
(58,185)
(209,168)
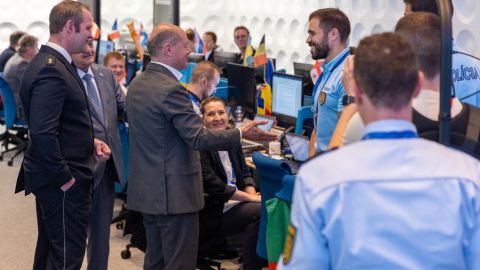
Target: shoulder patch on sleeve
(288,247)
(51,60)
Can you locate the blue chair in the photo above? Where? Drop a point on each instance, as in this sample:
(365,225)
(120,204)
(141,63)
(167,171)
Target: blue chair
(286,191)
(304,113)
(223,82)
(271,172)
(123,129)
(187,72)
(12,123)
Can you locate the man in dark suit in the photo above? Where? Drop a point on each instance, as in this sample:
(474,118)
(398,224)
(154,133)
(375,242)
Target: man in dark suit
(164,174)
(58,163)
(108,97)
(210,40)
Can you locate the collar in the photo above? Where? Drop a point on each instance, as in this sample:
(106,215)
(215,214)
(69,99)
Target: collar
(81,73)
(340,57)
(173,70)
(389,125)
(427,103)
(61,50)
(194,97)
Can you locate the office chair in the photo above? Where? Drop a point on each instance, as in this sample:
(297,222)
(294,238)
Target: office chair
(119,220)
(304,113)
(12,123)
(271,172)
(187,72)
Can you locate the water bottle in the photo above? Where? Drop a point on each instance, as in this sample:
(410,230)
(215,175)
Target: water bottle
(239,114)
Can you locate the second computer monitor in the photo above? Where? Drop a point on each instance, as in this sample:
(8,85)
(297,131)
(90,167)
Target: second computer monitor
(287,96)
(223,58)
(242,91)
(303,70)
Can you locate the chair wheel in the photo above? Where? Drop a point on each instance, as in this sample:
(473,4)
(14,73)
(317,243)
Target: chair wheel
(119,225)
(10,163)
(125,254)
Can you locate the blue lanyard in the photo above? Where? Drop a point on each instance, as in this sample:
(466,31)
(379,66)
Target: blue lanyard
(319,80)
(405,134)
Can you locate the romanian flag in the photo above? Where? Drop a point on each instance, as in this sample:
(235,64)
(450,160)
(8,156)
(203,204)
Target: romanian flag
(248,58)
(144,36)
(136,40)
(260,57)
(264,96)
(115,34)
(198,41)
(95,31)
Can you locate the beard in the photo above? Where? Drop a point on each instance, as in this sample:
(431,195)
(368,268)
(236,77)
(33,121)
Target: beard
(321,50)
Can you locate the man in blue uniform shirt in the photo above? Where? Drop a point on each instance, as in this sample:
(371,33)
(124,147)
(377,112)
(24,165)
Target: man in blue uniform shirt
(328,32)
(391,201)
(465,67)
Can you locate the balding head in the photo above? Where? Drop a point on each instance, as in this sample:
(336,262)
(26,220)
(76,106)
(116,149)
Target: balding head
(168,44)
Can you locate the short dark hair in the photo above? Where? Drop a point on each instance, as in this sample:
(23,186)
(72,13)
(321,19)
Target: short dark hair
(241,27)
(210,100)
(203,69)
(112,55)
(190,34)
(15,37)
(64,11)
(386,70)
(26,42)
(423,31)
(426,6)
(212,34)
(333,18)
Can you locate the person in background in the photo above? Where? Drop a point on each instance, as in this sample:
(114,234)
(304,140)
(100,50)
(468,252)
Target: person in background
(241,36)
(107,105)
(328,32)
(232,205)
(115,61)
(392,200)
(203,81)
(210,41)
(165,182)
(465,67)
(16,66)
(191,39)
(11,50)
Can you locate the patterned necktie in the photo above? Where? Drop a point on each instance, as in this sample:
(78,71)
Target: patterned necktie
(93,97)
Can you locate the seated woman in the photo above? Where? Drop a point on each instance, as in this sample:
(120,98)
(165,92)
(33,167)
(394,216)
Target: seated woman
(232,205)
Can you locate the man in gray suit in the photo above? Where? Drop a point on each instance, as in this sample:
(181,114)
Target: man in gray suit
(165,174)
(106,102)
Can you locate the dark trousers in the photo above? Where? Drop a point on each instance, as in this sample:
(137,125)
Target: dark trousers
(99,223)
(172,241)
(62,226)
(244,218)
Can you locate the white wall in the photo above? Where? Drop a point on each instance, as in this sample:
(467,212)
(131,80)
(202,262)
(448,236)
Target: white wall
(283,21)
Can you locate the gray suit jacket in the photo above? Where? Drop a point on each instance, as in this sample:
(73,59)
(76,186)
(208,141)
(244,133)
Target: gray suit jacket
(165,132)
(113,104)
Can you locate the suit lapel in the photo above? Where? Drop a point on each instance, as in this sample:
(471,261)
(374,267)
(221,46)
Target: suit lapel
(68,65)
(101,87)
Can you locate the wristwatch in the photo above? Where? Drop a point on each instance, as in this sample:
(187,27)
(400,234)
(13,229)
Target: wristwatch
(348,100)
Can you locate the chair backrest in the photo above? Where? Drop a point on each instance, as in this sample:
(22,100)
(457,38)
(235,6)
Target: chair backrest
(304,113)
(271,172)
(187,72)
(122,128)
(9,105)
(286,191)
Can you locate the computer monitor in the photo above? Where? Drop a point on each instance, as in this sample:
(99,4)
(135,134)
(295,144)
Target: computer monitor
(303,70)
(223,58)
(103,48)
(196,57)
(242,91)
(287,96)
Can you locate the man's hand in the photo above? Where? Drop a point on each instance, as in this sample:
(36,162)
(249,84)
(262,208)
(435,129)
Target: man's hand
(68,185)
(347,76)
(101,151)
(251,131)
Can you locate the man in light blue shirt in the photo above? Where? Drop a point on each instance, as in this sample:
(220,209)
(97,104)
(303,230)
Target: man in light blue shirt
(391,201)
(328,32)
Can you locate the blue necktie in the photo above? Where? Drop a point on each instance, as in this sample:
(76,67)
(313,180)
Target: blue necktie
(93,97)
